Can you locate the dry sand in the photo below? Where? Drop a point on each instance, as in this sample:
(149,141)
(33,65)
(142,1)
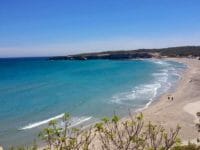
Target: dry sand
(186,103)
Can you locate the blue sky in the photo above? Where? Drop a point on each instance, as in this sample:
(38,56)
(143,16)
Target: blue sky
(60,27)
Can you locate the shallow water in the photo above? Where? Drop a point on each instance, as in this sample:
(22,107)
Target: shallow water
(33,92)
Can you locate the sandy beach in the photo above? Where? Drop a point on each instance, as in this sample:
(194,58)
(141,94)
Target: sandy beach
(185,104)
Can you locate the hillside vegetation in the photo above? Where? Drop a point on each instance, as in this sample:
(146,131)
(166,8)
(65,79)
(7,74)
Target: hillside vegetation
(185,51)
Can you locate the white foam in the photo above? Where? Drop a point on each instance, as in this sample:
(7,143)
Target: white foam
(75,121)
(160,62)
(150,100)
(80,121)
(162,76)
(148,91)
(34,125)
(178,75)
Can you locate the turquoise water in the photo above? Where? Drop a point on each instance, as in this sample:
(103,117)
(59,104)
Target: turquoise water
(32,92)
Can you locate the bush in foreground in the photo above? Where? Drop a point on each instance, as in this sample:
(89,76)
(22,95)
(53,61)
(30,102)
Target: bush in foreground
(187,147)
(110,134)
(133,134)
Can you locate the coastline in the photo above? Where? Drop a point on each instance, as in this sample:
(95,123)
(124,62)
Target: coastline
(177,112)
(171,113)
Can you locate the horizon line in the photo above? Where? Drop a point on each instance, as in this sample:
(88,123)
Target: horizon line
(101,51)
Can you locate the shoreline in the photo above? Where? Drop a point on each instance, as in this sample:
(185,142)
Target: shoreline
(170,113)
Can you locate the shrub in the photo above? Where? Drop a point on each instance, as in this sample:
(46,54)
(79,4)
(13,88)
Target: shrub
(133,134)
(198,126)
(111,134)
(187,147)
(66,138)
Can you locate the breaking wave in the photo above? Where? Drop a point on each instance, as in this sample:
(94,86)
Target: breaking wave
(148,91)
(73,122)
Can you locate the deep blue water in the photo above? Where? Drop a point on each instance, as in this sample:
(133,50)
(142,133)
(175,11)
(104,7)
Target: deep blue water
(33,91)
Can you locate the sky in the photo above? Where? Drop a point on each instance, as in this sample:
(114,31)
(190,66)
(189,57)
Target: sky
(62,27)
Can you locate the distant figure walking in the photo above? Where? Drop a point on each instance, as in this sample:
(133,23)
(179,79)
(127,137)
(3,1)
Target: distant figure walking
(170,98)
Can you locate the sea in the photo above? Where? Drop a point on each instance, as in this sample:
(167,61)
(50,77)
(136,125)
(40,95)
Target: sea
(34,91)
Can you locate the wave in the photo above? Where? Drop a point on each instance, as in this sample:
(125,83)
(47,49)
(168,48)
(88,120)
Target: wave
(75,121)
(150,99)
(34,125)
(148,91)
(160,62)
(161,76)
(79,121)
(169,69)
